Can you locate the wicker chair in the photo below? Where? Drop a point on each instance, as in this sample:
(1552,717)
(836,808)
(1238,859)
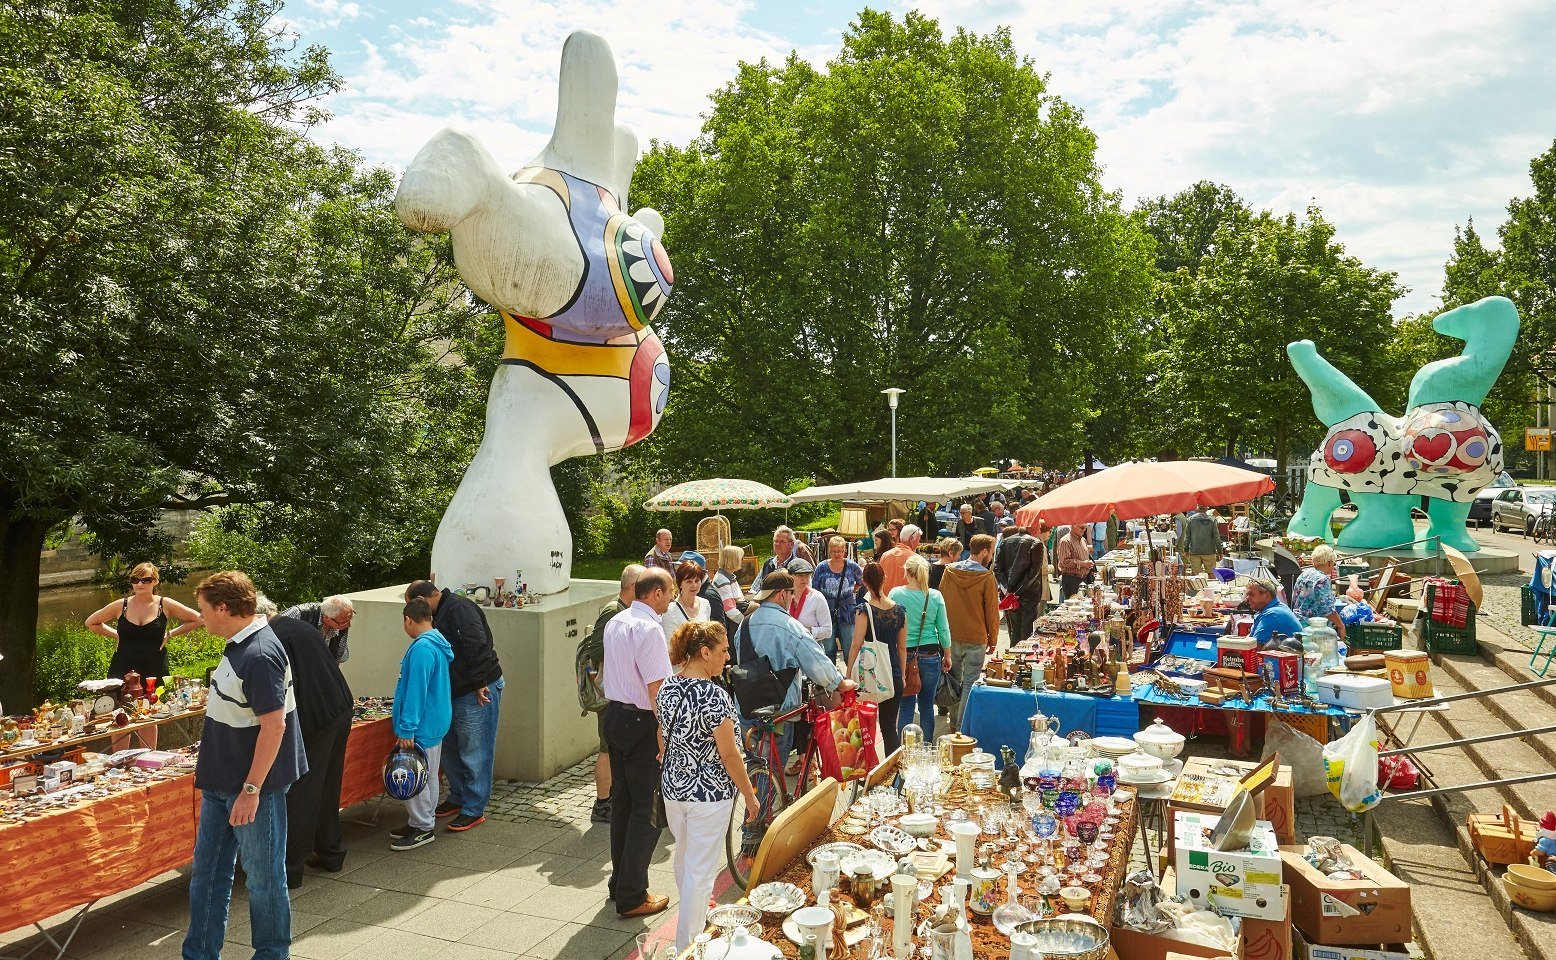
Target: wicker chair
(712,535)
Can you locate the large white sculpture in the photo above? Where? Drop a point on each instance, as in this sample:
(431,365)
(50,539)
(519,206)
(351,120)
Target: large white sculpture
(577,282)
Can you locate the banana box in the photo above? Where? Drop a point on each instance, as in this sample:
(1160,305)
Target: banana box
(1236,883)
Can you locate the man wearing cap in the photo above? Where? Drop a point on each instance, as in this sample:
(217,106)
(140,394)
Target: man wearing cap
(774,634)
(1271,616)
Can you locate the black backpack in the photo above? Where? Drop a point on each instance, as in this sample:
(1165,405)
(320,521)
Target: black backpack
(755,683)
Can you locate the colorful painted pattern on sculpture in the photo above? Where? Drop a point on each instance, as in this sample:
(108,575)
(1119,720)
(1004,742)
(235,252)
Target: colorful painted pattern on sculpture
(602,331)
(1446,451)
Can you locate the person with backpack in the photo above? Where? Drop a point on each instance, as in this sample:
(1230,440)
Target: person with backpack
(590,670)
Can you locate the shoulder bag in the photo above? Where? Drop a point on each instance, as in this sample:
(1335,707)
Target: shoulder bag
(755,683)
(872,671)
(912,683)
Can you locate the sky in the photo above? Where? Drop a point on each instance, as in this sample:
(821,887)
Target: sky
(1400,119)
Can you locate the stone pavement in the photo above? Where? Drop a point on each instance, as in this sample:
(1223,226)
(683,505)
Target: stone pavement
(530,882)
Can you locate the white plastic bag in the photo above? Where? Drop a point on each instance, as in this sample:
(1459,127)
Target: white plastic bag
(1351,767)
(1303,754)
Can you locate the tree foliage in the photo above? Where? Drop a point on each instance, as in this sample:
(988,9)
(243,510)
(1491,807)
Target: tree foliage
(204,307)
(922,213)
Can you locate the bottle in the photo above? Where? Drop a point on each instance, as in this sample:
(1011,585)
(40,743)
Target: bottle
(1010,775)
(1011,914)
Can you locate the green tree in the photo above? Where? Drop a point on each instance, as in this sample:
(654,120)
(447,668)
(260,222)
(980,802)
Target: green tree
(1524,270)
(1184,224)
(922,213)
(1268,281)
(203,307)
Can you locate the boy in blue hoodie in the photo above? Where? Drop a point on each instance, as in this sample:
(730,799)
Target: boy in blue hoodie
(423,710)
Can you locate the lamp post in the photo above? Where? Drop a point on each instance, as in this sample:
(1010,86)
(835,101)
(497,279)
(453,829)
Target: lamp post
(892,393)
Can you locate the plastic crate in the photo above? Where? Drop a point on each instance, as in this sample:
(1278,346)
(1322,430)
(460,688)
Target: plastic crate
(1375,636)
(1527,614)
(1440,638)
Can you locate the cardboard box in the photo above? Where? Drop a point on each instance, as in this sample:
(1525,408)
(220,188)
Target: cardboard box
(64,770)
(1339,913)
(1238,883)
(24,784)
(1269,939)
(1279,668)
(1275,803)
(1134,945)
(1376,951)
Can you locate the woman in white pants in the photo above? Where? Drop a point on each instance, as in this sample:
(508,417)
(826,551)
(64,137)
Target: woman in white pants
(703,767)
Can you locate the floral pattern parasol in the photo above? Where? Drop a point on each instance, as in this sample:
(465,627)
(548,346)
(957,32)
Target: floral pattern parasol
(719,494)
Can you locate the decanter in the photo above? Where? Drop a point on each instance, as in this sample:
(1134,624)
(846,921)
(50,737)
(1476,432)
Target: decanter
(1011,914)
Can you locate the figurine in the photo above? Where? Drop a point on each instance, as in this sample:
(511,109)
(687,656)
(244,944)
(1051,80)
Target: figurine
(1544,854)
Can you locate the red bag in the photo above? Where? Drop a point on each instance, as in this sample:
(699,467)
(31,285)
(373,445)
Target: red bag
(1398,773)
(1010,601)
(845,738)
(1450,602)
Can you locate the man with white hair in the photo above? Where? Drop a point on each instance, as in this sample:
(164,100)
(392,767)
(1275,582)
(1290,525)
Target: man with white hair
(894,562)
(785,548)
(332,616)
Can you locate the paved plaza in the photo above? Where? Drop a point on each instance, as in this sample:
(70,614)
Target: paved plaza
(530,882)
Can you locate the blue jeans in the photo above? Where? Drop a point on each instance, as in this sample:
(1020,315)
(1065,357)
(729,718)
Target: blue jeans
(468,750)
(842,638)
(218,845)
(924,700)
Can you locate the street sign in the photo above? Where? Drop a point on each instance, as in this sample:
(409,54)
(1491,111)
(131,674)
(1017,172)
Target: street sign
(1537,438)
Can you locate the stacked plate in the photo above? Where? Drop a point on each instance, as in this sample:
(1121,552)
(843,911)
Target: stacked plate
(1113,747)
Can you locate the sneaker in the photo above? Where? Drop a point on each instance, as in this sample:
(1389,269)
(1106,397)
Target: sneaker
(464,822)
(602,810)
(445,809)
(403,832)
(416,838)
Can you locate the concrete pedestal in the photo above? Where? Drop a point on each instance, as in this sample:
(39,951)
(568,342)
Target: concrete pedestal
(540,732)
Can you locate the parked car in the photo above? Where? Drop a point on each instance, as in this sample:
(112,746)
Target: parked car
(1516,509)
(1480,508)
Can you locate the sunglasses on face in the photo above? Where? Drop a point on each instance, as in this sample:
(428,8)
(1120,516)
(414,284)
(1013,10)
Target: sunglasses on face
(143,579)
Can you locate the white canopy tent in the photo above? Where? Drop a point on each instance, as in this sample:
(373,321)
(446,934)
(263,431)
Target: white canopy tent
(886,489)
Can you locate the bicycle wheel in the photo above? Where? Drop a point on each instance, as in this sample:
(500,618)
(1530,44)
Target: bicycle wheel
(742,840)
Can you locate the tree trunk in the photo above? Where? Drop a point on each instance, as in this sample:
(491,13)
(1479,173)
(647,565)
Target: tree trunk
(21,542)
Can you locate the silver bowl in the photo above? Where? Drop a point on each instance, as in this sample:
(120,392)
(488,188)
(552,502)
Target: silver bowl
(1069,938)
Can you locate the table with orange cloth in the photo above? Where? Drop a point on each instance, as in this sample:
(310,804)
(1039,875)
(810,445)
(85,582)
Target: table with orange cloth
(76,855)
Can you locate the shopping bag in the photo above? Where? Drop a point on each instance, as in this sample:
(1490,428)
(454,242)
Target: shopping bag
(1398,773)
(872,669)
(845,738)
(1351,767)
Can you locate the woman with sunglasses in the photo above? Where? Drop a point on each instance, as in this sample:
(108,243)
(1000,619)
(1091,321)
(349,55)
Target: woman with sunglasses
(142,631)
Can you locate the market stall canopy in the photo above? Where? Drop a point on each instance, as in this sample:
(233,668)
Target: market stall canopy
(936,489)
(1134,490)
(719,494)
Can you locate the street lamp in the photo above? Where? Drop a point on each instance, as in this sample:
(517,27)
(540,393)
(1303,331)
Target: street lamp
(892,393)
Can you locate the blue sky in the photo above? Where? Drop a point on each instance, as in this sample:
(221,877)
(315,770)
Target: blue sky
(1399,119)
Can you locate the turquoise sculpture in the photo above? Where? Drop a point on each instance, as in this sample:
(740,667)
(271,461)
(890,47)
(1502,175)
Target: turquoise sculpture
(1435,458)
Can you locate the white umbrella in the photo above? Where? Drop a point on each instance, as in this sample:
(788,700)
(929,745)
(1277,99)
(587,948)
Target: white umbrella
(719,494)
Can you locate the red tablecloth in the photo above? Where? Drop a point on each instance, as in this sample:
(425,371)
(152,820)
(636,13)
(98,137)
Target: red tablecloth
(79,854)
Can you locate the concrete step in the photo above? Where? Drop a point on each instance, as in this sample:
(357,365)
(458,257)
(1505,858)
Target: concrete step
(1512,659)
(1496,760)
(1421,848)
(1453,916)
(1524,709)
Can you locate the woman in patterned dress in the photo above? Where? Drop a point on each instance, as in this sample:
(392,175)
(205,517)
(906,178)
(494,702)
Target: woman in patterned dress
(703,767)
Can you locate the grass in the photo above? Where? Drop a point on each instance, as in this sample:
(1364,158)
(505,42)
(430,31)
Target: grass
(68,654)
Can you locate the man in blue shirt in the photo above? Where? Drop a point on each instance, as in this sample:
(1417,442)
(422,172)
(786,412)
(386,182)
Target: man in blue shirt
(251,751)
(780,638)
(1271,616)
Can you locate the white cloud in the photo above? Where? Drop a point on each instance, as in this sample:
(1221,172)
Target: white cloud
(1399,119)
(495,72)
(327,13)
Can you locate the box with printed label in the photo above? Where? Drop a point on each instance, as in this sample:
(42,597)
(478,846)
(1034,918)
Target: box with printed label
(63,769)
(1309,951)
(1240,883)
(1365,912)
(1206,786)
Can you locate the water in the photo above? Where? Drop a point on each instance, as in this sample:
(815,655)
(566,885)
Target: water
(73,604)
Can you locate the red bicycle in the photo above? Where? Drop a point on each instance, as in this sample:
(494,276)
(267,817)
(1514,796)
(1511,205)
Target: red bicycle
(766,767)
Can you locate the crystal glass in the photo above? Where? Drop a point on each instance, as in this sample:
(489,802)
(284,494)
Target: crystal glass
(1067,803)
(1092,880)
(1085,830)
(1045,825)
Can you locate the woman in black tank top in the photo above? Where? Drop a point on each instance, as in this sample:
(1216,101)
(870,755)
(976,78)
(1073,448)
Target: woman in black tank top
(142,620)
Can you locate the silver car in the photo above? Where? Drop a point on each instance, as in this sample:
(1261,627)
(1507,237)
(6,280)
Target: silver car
(1516,509)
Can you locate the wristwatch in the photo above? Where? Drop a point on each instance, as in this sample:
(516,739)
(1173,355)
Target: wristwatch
(250,789)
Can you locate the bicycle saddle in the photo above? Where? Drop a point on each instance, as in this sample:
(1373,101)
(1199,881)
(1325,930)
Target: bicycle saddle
(767,713)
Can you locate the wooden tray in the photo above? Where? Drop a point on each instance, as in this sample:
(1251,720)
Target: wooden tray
(1502,838)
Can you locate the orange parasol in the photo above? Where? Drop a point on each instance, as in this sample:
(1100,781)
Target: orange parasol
(1134,490)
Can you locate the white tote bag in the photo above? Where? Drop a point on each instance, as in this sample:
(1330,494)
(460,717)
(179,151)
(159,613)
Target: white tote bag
(872,671)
